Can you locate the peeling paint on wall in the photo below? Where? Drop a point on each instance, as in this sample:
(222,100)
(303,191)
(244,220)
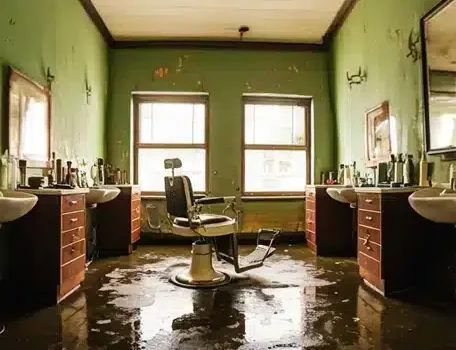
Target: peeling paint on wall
(394,75)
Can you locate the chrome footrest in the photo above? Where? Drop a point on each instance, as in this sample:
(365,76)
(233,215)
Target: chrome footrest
(226,248)
(260,254)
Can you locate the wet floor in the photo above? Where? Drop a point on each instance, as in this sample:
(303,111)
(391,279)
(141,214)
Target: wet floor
(296,301)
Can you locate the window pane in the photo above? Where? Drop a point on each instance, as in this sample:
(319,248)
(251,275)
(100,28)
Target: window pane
(274,125)
(171,123)
(151,169)
(275,171)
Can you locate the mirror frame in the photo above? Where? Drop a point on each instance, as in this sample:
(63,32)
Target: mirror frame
(16,74)
(383,110)
(426,80)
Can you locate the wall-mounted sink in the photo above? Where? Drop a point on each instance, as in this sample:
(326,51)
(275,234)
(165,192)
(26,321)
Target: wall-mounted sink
(101,195)
(432,205)
(343,194)
(14,204)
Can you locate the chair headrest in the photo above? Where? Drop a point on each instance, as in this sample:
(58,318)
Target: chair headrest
(174,163)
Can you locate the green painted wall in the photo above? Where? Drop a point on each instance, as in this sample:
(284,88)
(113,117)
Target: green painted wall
(225,75)
(58,34)
(375,37)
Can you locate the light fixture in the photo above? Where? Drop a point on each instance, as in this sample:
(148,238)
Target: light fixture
(242,30)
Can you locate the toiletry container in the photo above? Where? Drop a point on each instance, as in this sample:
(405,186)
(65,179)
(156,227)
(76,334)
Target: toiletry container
(406,171)
(12,173)
(347,176)
(399,169)
(423,171)
(4,172)
(340,175)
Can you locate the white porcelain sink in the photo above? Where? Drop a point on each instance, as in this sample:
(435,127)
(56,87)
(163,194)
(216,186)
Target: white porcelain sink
(14,204)
(101,195)
(431,205)
(343,194)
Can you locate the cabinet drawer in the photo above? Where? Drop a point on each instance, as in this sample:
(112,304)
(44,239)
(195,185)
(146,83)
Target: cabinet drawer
(73,220)
(310,195)
(369,201)
(311,226)
(372,234)
(135,194)
(136,212)
(371,249)
(369,264)
(310,216)
(312,246)
(310,236)
(370,219)
(310,205)
(135,224)
(73,251)
(69,237)
(73,203)
(136,235)
(72,275)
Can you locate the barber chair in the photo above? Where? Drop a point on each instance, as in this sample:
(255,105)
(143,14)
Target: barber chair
(212,233)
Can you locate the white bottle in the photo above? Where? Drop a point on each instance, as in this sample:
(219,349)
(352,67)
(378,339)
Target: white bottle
(12,173)
(4,172)
(347,176)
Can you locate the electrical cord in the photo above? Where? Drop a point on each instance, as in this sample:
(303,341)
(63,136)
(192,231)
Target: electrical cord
(2,329)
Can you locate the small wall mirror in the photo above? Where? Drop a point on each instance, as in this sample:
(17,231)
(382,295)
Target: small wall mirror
(438,30)
(29,106)
(378,134)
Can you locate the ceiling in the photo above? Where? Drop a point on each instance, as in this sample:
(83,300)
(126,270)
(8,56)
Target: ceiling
(294,21)
(441,40)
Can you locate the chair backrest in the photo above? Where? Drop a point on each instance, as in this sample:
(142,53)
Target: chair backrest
(179,196)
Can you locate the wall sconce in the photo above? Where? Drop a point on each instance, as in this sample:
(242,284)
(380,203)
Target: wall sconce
(413,41)
(49,77)
(356,79)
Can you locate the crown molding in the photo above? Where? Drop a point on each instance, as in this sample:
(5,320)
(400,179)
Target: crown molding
(338,21)
(92,12)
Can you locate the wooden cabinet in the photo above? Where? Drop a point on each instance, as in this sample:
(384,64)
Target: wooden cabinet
(48,248)
(329,224)
(119,221)
(391,240)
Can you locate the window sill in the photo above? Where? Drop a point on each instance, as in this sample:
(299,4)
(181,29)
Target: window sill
(153,197)
(272,198)
(162,197)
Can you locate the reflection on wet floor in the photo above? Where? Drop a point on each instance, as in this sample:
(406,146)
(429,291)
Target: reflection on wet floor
(295,302)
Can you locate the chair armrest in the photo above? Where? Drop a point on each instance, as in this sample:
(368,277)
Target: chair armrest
(215,200)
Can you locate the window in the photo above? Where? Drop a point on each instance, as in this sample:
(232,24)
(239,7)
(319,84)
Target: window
(171,126)
(276,145)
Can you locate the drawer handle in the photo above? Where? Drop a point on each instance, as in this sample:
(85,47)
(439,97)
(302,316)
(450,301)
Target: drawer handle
(73,202)
(137,209)
(369,218)
(366,242)
(74,220)
(75,235)
(369,201)
(73,250)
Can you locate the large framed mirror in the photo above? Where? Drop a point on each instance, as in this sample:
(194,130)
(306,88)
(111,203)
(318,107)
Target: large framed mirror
(29,122)
(438,29)
(378,135)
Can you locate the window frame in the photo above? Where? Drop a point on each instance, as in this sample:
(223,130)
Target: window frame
(305,102)
(194,98)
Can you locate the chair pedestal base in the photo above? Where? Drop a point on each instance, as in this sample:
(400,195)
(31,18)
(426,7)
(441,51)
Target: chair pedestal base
(201,273)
